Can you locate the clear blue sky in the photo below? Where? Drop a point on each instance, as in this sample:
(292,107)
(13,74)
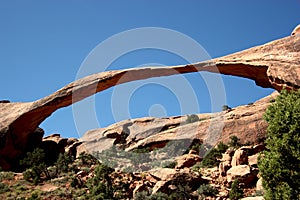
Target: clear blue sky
(43,44)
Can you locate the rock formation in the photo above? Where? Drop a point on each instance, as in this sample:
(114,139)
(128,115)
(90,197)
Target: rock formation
(296,31)
(245,121)
(274,65)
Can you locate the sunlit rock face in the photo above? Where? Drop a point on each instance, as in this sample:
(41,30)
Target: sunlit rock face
(273,65)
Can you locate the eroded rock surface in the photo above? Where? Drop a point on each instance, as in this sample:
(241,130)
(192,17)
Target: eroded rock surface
(244,121)
(275,65)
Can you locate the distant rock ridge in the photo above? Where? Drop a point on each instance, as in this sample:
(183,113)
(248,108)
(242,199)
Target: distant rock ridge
(274,65)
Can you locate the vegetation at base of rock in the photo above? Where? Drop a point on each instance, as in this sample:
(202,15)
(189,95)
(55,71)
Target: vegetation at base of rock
(280,165)
(206,190)
(87,178)
(236,192)
(3,188)
(212,158)
(63,162)
(6,176)
(234,141)
(34,196)
(225,107)
(35,166)
(192,118)
(171,164)
(87,159)
(100,186)
(145,196)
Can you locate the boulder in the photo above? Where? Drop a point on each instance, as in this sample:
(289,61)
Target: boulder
(171,178)
(225,163)
(253,198)
(60,142)
(54,144)
(259,185)
(187,160)
(240,157)
(160,186)
(258,148)
(224,167)
(252,160)
(242,173)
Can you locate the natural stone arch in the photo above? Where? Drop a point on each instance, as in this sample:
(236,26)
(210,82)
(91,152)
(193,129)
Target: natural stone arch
(274,65)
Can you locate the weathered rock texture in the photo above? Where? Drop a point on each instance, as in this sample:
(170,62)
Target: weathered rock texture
(244,121)
(275,65)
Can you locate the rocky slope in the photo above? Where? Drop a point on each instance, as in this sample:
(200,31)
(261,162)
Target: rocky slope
(275,65)
(157,133)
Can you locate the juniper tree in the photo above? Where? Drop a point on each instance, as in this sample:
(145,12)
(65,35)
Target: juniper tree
(280,165)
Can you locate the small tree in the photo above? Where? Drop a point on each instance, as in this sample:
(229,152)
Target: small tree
(212,158)
(234,141)
(280,166)
(192,118)
(100,185)
(225,107)
(63,162)
(206,190)
(35,164)
(236,192)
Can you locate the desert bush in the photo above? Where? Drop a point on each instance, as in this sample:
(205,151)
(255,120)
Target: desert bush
(3,188)
(87,159)
(63,162)
(35,164)
(236,192)
(171,164)
(279,166)
(234,141)
(6,176)
(207,190)
(157,196)
(211,159)
(192,118)
(101,186)
(225,107)
(34,196)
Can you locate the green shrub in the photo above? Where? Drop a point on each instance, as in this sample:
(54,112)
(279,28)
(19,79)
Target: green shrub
(212,158)
(207,190)
(87,159)
(35,164)
(101,185)
(4,188)
(63,162)
(6,176)
(236,192)
(192,118)
(225,107)
(143,195)
(157,196)
(234,141)
(183,191)
(160,196)
(279,166)
(34,196)
(221,147)
(171,164)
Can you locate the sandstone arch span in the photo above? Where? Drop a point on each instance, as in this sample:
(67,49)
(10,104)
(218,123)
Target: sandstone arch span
(274,65)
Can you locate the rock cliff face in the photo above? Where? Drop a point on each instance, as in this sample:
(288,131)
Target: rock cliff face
(244,121)
(275,65)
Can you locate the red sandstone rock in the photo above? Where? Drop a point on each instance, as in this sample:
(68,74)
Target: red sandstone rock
(275,65)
